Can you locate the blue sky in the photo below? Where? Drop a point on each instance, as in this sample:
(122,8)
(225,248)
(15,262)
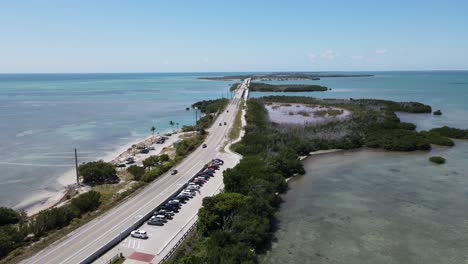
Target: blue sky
(178,36)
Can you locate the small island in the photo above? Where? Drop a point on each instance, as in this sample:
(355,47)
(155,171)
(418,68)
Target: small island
(437,160)
(264,87)
(438,112)
(282,76)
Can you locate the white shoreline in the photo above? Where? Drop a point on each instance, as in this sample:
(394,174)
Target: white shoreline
(47,199)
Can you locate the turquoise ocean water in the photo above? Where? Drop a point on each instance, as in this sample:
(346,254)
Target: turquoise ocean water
(43,117)
(369,206)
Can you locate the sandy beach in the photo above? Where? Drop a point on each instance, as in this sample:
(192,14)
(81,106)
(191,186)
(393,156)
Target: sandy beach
(44,200)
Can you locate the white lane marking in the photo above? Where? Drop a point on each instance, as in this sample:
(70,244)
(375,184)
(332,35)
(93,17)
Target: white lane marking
(155,185)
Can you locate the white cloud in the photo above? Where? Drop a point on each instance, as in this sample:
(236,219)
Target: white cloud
(381,51)
(329,55)
(312,57)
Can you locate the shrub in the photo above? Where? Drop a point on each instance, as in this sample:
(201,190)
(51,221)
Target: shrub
(8,216)
(437,159)
(86,202)
(98,172)
(451,132)
(136,171)
(438,112)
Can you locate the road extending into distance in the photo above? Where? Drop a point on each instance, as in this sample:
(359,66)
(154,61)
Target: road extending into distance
(85,241)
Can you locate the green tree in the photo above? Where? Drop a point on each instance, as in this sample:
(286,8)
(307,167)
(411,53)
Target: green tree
(171,123)
(87,202)
(8,216)
(136,171)
(152,130)
(151,161)
(98,172)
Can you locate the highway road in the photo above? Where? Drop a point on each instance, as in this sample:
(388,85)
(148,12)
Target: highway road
(84,242)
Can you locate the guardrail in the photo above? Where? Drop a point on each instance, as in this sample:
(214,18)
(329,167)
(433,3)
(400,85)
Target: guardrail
(182,239)
(135,225)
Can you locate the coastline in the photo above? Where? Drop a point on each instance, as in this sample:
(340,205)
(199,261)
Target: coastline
(48,199)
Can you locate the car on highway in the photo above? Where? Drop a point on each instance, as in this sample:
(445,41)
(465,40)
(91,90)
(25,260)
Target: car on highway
(155,222)
(183,198)
(193,187)
(187,193)
(159,217)
(170,207)
(164,212)
(218,161)
(204,145)
(139,234)
(202,179)
(174,172)
(225,123)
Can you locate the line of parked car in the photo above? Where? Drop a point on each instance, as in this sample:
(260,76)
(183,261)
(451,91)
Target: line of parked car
(166,211)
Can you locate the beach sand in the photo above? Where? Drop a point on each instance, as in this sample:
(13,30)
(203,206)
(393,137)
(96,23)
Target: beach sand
(47,199)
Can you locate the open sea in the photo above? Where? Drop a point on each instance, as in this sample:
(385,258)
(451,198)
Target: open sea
(371,207)
(43,117)
(364,206)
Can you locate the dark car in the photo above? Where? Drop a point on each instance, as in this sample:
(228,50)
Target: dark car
(225,123)
(174,172)
(218,160)
(204,145)
(182,198)
(164,212)
(170,207)
(214,167)
(155,222)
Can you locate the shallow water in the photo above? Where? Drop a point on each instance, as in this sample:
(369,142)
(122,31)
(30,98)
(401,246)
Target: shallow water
(376,207)
(43,117)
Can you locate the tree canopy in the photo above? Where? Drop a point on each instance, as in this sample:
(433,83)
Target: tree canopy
(98,172)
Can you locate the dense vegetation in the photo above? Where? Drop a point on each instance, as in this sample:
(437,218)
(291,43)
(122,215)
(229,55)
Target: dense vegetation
(98,172)
(236,225)
(437,159)
(264,87)
(20,230)
(211,106)
(438,112)
(234,86)
(451,132)
(210,109)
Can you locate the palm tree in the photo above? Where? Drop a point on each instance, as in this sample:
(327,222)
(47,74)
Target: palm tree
(177,124)
(172,124)
(152,130)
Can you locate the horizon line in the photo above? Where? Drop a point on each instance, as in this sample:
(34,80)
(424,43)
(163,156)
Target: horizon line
(300,71)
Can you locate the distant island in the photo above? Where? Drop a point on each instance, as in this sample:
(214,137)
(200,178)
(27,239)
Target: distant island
(281,76)
(264,87)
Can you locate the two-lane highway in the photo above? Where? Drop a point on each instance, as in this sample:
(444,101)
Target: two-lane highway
(91,238)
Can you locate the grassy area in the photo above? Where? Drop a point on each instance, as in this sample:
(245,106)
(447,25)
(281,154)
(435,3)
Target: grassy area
(118,261)
(236,128)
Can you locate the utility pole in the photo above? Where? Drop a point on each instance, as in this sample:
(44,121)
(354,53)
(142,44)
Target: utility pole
(76,167)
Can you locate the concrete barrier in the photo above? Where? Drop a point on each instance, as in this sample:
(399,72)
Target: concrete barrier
(134,226)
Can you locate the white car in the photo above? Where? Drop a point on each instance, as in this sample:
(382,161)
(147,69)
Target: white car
(188,193)
(193,187)
(139,234)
